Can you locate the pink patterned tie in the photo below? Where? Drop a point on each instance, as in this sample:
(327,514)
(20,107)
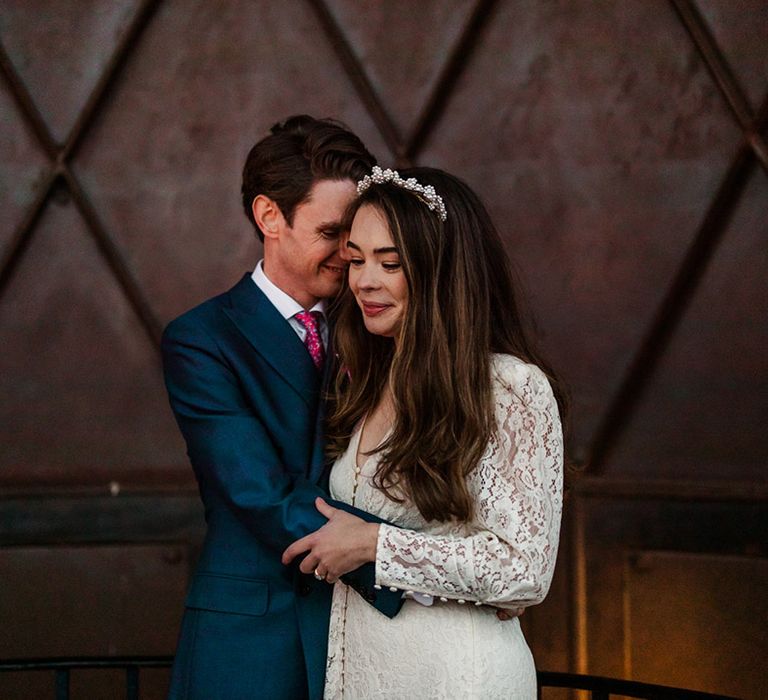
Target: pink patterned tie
(310,321)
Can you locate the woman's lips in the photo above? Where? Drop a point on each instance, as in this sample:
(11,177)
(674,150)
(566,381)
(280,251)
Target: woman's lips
(371,309)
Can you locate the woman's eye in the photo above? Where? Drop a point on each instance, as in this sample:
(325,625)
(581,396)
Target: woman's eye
(355,262)
(391,266)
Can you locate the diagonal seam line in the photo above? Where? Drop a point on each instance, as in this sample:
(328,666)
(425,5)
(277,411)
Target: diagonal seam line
(114,260)
(720,70)
(30,114)
(406,152)
(444,86)
(359,78)
(95,100)
(674,304)
(59,168)
(32,120)
(22,236)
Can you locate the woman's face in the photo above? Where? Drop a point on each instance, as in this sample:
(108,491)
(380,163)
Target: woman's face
(376,277)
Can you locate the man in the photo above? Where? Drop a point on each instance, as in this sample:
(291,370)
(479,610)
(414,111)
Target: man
(244,373)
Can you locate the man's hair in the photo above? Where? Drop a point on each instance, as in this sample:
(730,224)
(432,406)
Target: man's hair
(299,152)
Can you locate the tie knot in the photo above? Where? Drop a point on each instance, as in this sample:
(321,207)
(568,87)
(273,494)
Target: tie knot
(309,319)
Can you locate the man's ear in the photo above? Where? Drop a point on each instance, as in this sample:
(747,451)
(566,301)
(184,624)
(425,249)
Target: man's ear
(267,216)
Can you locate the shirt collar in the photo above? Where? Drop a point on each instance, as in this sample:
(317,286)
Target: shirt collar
(284,303)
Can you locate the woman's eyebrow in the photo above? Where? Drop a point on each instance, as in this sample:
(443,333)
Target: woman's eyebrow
(377,251)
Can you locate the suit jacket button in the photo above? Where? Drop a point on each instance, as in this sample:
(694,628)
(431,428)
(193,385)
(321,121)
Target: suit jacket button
(304,589)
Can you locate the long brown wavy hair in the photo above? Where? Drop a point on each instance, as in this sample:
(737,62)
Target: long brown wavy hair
(462,306)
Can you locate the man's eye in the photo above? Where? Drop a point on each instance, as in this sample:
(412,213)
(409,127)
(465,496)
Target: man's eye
(330,233)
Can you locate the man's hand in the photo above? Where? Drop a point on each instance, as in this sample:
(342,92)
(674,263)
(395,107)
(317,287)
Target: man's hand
(343,544)
(505,614)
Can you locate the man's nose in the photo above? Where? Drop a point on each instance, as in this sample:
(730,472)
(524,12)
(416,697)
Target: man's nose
(343,252)
(337,258)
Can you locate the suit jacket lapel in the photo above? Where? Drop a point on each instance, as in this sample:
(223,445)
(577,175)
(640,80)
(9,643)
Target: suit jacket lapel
(273,338)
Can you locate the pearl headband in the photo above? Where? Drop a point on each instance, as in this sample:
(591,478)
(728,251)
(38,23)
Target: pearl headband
(426,193)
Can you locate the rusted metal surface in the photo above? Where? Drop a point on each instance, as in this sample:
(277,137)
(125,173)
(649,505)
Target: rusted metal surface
(357,75)
(711,377)
(576,138)
(723,75)
(429,69)
(668,317)
(144,265)
(59,168)
(691,599)
(83,395)
(94,585)
(86,601)
(459,56)
(617,533)
(625,167)
(740,30)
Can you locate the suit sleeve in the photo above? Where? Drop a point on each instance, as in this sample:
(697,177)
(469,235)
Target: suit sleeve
(232,452)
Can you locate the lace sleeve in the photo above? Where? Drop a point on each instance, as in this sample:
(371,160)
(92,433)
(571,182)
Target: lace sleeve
(510,557)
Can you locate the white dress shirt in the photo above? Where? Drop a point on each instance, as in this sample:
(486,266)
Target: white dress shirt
(287,306)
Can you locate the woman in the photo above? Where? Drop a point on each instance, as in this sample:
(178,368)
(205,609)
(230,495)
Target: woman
(446,425)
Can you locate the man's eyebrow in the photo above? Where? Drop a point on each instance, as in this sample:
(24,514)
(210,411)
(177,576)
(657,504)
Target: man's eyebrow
(377,251)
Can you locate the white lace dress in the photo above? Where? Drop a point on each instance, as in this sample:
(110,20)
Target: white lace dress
(504,557)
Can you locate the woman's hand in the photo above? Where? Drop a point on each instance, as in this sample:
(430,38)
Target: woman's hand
(343,544)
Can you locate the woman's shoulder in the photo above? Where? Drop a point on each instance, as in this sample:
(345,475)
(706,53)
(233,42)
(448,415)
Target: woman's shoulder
(524,379)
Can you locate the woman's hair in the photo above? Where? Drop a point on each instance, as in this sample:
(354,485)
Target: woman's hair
(462,306)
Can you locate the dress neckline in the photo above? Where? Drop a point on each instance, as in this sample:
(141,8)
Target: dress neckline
(358,437)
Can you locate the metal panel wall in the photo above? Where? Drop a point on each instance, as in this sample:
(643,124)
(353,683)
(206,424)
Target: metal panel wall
(621,147)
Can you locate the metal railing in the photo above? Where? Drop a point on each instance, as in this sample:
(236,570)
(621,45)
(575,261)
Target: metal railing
(63,668)
(601,688)
(598,687)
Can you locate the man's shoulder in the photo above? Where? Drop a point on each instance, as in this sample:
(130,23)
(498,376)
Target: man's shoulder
(201,315)
(201,318)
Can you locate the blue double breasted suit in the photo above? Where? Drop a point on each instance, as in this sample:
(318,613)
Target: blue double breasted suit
(247,399)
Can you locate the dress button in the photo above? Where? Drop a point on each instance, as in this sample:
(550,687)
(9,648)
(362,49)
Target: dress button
(393,589)
(478,603)
(377,586)
(461,601)
(443,599)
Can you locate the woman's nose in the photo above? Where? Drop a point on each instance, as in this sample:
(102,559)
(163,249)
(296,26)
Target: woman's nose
(368,278)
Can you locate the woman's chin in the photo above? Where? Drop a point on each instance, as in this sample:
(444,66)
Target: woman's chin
(374,328)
